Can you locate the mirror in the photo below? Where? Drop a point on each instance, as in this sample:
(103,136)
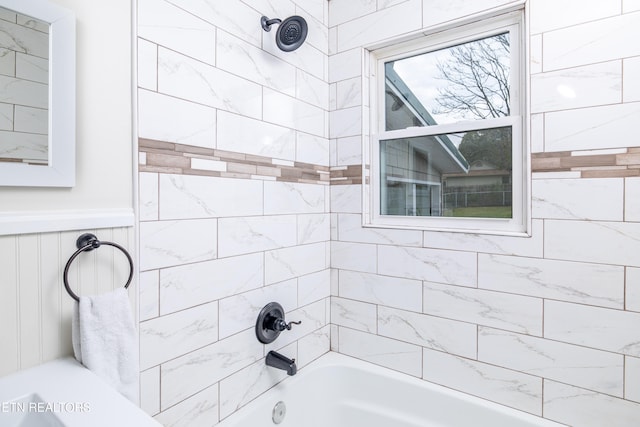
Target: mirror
(37,94)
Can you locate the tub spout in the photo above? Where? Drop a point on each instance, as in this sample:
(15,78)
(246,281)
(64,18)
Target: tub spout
(276,360)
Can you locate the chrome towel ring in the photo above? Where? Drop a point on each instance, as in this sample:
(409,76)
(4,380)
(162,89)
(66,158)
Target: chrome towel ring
(88,242)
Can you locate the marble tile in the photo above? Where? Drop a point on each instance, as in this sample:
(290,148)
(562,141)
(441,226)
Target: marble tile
(147,65)
(241,235)
(169,243)
(246,135)
(318,35)
(514,389)
(505,245)
(350,229)
(173,335)
(345,122)
(233,17)
(394,292)
(600,328)
(630,5)
(239,312)
(165,118)
(186,375)
(496,309)
(354,314)
(287,263)
(312,346)
(192,80)
(199,410)
(187,196)
(250,62)
(293,113)
(632,378)
(446,335)
(345,65)
(348,151)
(459,268)
(441,11)
(616,243)
(580,366)
(341,11)
(312,90)
(537,133)
(579,407)
(573,199)
(547,15)
(307,58)
(312,149)
(631,199)
(245,385)
(594,284)
(346,198)
(590,128)
(192,284)
(598,41)
(354,256)
(293,198)
(150,390)
(148,202)
(535,56)
(586,86)
(313,228)
(312,316)
(631,68)
(314,287)
(632,289)
(167,25)
(149,296)
(318,9)
(386,352)
(402,18)
(349,93)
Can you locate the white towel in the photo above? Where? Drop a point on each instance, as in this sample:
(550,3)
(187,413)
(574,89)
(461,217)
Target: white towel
(104,340)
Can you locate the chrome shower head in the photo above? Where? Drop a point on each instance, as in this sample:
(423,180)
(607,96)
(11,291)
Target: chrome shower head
(291,33)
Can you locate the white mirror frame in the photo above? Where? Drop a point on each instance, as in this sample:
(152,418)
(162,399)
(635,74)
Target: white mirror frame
(60,169)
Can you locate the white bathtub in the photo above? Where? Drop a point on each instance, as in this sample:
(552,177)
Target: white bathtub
(340,391)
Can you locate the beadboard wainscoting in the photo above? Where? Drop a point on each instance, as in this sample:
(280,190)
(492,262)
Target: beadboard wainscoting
(35,308)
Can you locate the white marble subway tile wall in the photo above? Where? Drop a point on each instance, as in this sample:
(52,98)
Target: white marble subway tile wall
(549,323)
(251,191)
(234,200)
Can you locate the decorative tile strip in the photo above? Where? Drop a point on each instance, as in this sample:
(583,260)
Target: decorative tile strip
(345,175)
(167,157)
(617,163)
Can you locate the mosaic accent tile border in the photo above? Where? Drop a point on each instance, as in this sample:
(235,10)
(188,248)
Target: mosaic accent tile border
(167,157)
(615,163)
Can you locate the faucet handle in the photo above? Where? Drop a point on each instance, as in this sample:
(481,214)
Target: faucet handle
(280,325)
(288,325)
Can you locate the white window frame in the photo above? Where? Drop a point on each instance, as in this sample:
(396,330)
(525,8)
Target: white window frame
(519,224)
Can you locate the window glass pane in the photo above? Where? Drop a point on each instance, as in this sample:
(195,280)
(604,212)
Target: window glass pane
(466,174)
(469,81)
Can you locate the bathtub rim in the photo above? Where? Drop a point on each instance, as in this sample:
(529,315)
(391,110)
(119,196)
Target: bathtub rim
(335,359)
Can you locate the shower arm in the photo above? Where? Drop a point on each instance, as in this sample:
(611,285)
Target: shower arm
(267,23)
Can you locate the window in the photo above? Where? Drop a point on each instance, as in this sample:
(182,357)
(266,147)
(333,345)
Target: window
(447,136)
